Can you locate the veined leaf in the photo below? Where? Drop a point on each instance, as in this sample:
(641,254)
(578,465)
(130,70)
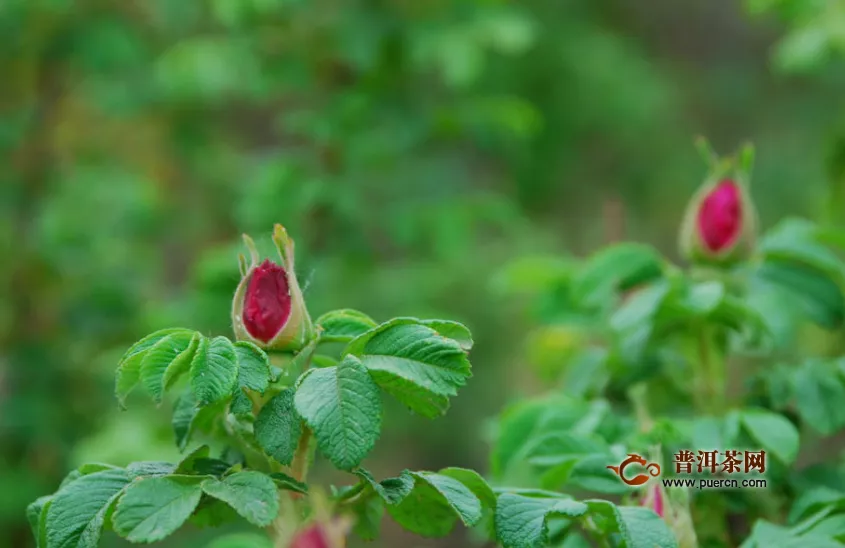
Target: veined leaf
(252,495)
(342,405)
(522,521)
(129,367)
(391,490)
(414,363)
(343,325)
(640,527)
(253,374)
(76,515)
(278,427)
(214,370)
(435,504)
(36,514)
(152,509)
(166,360)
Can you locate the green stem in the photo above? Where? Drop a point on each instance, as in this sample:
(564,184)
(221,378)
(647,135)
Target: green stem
(712,367)
(302,457)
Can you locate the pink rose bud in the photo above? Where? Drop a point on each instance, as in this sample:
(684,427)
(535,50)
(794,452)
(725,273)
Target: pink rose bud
(654,500)
(313,537)
(268,308)
(720,216)
(720,222)
(330,534)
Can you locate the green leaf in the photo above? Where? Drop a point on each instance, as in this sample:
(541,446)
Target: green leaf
(36,514)
(253,367)
(368,514)
(242,540)
(342,405)
(474,482)
(150,468)
(773,432)
(180,364)
(252,494)
(766,535)
(152,509)
(818,296)
(434,505)
(186,465)
(188,417)
(391,490)
(415,364)
(800,241)
(283,481)
(129,367)
(167,359)
(819,394)
(278,427)
(522,522)
(616,267)
(343,325)
(452,330)
(214,370)
(76,515)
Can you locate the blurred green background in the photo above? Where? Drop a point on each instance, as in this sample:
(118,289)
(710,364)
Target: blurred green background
(412,148)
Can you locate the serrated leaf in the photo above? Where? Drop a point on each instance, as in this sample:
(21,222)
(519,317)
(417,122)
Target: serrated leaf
(283,481)
(413,363)
(278,427)
(639,526)
(391,490)
(253,367)
(36,514)
(181,364)
(474,482)
(176,348)
(214,370)
(129,367)
(452,330)
(522,522)
(252,495)
(343,325)
(150,468)
(75,517)
(342,405)
(435,504)
(186,465)
(773,432)
(152,509)
(188,417)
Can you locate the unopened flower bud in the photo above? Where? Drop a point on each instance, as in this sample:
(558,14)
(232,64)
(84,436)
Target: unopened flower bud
(331,534)
(720,223)
(268,308)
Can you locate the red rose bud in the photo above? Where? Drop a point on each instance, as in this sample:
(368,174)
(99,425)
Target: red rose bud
(720,217)
(313,537)
(268,308)
(720,222)
(654,500)
(330,534)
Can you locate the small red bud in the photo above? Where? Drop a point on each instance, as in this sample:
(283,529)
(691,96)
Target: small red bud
(267,301)
(654,500)
(313,537)
(269,309)
(720,216)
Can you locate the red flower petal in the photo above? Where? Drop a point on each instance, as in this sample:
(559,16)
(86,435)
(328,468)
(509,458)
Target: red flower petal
(267,303)
(313,537)
(720,216)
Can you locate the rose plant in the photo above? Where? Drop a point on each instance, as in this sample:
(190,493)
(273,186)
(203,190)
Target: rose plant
(251,413)
(739,349)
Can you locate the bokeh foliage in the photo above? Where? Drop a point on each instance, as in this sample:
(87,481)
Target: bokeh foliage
(410,147)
